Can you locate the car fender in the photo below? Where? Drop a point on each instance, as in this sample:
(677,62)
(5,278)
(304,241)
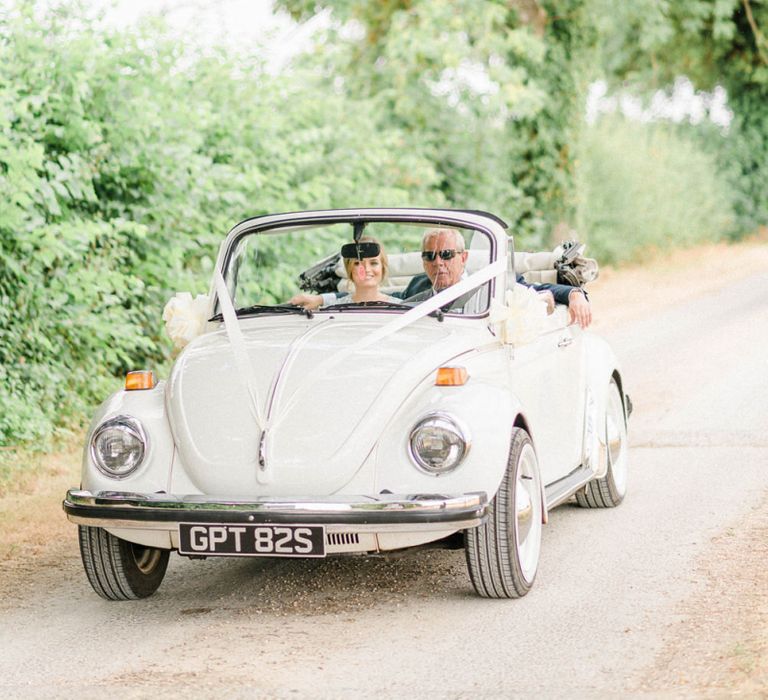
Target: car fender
(522,422)
(484,407)
(148,407)
(601,366)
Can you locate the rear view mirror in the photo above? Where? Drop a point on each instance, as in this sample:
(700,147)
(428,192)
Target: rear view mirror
(358,251)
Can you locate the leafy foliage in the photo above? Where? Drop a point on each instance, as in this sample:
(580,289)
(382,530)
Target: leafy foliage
(125,155)
(648,186)
(122,162)
(713,42)
(490,93)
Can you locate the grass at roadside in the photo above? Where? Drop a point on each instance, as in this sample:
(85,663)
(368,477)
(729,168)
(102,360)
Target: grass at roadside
(32,487)
(668,277)
(22,471)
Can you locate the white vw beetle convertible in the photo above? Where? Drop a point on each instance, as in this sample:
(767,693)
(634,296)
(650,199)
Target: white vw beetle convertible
(457,418)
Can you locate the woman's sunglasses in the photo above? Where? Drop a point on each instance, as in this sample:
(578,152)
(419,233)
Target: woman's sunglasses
(430,255)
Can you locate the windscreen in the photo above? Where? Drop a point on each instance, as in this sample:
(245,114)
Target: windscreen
(384,267)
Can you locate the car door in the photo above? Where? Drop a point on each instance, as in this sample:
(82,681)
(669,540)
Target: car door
(546,377)
(569,373)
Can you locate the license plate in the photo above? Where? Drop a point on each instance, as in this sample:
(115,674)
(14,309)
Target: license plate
(252,540)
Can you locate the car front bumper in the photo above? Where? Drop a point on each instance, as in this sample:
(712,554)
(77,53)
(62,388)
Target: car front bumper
(361,524)
(145,510)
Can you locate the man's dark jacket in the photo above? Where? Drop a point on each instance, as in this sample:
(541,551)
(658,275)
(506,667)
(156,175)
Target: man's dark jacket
(420,283)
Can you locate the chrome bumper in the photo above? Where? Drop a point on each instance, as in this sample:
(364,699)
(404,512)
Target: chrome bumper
(153,509)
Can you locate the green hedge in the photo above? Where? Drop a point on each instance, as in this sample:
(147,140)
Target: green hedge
(648,186)
(124,159)
(125,156)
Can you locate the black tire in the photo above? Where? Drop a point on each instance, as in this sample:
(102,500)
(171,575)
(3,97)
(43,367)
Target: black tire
(609,490)
(503,553)
(120,570)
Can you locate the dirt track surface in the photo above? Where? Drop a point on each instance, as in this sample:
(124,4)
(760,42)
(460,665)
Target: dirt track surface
(666,595)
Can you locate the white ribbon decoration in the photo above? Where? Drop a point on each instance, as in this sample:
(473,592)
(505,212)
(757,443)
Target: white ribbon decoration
(417,312)
(185,317)
(244,366)
(521,318)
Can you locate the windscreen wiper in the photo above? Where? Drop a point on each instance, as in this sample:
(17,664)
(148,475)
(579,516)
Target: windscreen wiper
(255,309)
(367,304)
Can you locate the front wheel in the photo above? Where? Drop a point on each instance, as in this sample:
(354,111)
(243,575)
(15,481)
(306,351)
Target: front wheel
(503,553)
(120,570)
(609,490)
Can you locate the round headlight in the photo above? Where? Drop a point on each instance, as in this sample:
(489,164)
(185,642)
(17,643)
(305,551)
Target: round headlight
(438,443)
(118,446)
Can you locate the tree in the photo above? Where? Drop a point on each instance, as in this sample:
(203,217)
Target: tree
(713,42)
(124,159)
(491,92)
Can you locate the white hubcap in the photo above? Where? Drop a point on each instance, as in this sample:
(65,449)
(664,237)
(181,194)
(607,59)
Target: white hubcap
(528,513)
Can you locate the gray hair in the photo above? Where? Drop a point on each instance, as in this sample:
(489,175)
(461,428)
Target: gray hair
(457,237)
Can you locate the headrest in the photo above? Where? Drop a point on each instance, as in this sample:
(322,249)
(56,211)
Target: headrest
(537,267)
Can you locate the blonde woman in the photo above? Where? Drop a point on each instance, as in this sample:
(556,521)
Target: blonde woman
(366,265)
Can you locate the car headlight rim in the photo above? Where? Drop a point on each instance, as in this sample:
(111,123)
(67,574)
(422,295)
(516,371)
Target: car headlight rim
(448,424)
(131,428)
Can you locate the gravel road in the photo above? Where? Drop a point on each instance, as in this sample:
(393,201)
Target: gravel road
(665,595)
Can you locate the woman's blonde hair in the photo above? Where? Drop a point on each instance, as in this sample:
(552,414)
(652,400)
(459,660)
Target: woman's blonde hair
(349,262)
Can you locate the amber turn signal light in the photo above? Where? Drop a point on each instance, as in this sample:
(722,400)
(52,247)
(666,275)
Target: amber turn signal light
(142,379)
(451,376)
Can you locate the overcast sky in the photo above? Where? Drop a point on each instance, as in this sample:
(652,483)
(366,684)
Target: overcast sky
(235,22)
(242,17)
(249,22)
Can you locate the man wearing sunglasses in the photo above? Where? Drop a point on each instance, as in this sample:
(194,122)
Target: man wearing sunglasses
(444,257)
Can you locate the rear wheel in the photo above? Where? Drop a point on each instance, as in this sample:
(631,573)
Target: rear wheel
(503,553)
(120,570)
(609,490)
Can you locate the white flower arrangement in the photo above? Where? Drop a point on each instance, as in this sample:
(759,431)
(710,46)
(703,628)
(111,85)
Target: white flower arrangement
(522,317)
(185,317)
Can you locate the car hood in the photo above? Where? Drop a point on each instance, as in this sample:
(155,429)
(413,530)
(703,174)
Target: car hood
(323,403)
